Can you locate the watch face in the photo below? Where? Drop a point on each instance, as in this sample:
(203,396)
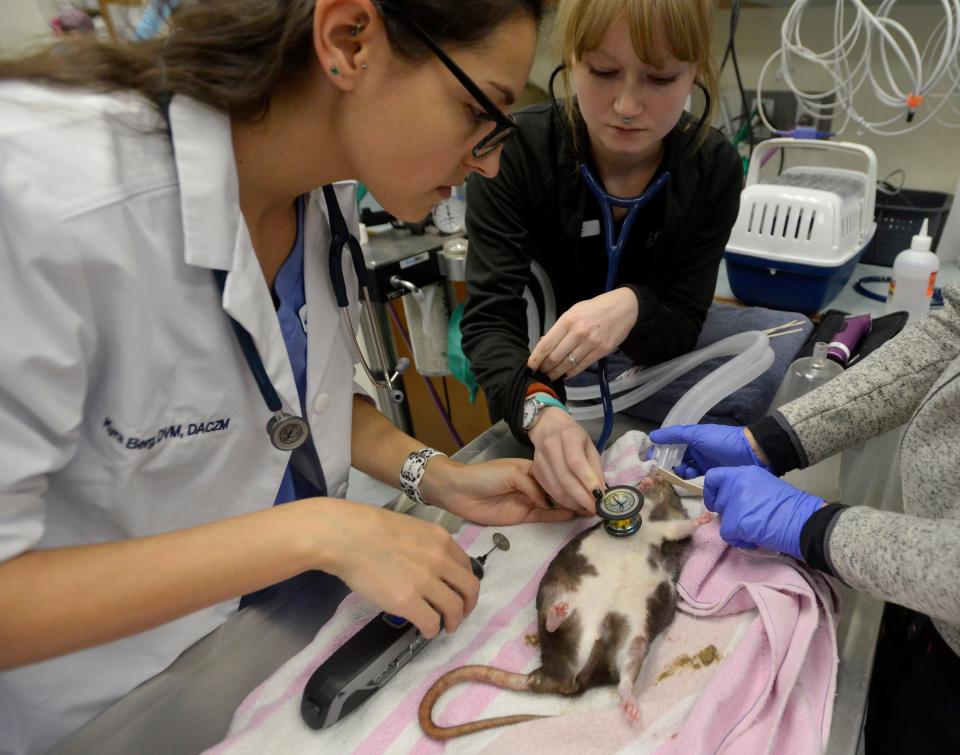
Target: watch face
(530,410)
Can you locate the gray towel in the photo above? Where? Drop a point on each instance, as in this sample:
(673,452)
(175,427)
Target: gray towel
(745,405)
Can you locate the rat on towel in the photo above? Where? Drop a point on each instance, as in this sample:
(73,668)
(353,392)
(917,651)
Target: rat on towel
(601,603)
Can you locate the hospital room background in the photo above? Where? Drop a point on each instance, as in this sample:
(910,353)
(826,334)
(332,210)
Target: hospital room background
(440,408)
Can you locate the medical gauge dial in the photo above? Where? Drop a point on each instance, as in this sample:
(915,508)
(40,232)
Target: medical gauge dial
(449,215)
(620,510)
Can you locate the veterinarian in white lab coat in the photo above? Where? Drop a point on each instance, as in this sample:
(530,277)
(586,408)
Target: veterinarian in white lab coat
(137,480)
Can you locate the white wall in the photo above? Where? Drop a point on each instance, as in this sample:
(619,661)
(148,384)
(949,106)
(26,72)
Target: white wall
(930,156)
(24,23)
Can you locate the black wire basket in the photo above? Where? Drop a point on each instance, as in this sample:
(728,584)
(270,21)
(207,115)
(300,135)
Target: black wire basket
(899,218)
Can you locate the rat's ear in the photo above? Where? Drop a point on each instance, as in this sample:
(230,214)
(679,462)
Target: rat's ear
(557,614)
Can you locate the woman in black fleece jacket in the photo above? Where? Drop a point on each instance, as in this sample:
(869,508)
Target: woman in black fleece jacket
(633,74)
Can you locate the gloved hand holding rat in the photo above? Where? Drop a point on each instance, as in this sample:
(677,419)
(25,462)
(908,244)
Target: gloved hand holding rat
(755,507)
(911,559)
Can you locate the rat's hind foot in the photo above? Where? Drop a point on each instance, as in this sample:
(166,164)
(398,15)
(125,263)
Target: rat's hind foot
(628,702)
(631,662)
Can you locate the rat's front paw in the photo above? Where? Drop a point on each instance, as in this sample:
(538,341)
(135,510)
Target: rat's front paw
(645,484)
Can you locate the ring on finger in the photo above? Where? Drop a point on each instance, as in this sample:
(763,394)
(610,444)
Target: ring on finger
(572,359)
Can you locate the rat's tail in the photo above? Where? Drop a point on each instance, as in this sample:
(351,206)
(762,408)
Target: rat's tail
(485,674)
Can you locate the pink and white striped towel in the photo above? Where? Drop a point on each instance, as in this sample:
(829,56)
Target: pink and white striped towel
(748,665)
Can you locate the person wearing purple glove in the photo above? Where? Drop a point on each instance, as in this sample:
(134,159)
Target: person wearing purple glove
(911,559)
(756,508)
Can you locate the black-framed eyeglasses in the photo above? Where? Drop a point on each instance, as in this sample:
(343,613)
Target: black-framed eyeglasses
(505,126)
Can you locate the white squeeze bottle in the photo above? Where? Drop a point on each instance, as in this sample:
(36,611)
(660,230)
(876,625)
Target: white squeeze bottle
(914,276)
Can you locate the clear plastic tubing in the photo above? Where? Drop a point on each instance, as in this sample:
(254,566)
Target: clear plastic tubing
(752,356)
(549,305)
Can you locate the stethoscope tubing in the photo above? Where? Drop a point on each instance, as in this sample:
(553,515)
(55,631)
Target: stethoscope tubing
(861,288)
(341,237)
(615,244)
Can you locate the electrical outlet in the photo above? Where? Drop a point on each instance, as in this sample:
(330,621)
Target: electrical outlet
(822,123)
(780,107)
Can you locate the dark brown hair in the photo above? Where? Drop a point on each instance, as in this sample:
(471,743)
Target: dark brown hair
(234,54)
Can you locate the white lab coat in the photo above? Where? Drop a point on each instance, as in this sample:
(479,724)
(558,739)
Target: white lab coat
(126,407)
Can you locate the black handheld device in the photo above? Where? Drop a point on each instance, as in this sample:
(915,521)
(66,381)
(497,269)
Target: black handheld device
(367,661)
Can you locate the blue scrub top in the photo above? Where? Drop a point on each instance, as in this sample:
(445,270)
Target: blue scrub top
(292,312)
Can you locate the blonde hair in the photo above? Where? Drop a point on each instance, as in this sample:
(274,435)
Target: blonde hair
(684,24)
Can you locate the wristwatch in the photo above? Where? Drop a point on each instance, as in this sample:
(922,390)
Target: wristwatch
(533,405)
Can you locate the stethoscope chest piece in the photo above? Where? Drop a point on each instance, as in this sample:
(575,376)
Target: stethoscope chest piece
(620,510)
(287,431)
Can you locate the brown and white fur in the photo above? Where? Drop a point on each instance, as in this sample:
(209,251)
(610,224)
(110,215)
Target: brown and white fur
(601,603)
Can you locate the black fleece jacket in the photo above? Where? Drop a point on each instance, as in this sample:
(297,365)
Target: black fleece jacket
(539,208)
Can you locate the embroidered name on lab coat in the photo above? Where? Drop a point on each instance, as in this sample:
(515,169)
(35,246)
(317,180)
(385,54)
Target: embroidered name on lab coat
(170,432)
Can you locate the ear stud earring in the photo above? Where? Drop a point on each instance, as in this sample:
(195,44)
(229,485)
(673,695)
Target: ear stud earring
(334,70)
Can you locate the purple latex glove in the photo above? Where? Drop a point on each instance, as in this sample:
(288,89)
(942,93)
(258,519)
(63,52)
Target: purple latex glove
(757,508)
(708,446)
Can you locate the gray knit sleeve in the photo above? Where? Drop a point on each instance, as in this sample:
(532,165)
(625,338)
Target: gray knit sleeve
(903,559)
(881,392)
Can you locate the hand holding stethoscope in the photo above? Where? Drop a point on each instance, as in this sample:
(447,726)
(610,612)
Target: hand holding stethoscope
(588,331)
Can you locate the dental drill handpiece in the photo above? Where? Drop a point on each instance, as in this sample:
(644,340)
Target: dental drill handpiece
(500,542)
(368,660)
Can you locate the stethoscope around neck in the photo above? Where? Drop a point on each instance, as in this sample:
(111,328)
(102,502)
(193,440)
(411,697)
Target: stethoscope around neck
(290,431)
(615,242)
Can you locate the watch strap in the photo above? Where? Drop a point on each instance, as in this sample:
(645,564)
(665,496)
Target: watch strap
(545,399)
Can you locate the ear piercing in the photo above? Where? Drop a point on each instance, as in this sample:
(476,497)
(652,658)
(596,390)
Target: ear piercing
(354,32)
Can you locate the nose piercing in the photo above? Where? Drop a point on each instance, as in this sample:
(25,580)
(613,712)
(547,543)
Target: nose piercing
(627,118)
